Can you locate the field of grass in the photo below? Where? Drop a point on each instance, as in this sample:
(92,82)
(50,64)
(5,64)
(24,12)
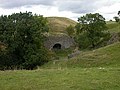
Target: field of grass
(61,79)
(91,70)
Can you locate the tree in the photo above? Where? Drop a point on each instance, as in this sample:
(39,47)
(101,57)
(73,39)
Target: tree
(22,34)
(93,26)
(116,18)
(70,31)
(119,13)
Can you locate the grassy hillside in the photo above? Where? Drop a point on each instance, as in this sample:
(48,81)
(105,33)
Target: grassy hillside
(113,26)
(108,56)
(91,70)
(59,24)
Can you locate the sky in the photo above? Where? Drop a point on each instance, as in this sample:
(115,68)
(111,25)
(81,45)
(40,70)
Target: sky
(62,8)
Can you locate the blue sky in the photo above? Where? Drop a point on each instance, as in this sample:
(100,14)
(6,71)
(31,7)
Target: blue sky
(63,8)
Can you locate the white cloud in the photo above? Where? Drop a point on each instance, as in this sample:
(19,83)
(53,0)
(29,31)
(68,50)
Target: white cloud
(19,3)
(65,8)
(109,11)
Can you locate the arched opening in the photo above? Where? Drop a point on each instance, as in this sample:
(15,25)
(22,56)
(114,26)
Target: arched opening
(57,46)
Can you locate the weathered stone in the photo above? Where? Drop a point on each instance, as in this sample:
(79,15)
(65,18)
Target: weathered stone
(60,41)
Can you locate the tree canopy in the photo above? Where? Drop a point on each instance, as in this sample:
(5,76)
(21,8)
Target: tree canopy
(93,27)
(117,18)
(22,36)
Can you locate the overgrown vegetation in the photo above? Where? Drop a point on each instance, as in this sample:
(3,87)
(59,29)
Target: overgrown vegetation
(22,36)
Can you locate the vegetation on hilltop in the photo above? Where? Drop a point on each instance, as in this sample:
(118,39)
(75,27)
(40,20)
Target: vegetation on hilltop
(115,27)
(59,25)
(117,18)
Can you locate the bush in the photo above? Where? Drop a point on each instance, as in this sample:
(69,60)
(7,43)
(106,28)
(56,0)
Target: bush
(23,36)
(82,41)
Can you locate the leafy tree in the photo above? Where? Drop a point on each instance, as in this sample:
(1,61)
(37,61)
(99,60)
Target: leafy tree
(116,18)
(70,31)
(93,26)
(22,34)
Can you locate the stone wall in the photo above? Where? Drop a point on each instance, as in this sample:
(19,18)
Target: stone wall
(64,40)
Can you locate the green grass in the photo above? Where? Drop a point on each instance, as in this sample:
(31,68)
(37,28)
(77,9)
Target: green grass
(59,24)
(91,70)
(61,79)
(108,56)
(64,52)
(113,27)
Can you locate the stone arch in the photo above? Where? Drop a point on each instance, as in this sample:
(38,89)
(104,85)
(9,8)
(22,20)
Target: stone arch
(59,41)
(57,46)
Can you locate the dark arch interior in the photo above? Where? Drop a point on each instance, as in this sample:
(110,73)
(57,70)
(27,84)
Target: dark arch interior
(57,46)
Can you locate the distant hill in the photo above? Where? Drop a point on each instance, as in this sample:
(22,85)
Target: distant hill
(59,24)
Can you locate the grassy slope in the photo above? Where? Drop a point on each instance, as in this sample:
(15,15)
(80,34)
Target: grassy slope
(58,24)
(108,56)
(113,26)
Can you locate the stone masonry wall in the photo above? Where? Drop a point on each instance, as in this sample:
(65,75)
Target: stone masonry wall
(64,40)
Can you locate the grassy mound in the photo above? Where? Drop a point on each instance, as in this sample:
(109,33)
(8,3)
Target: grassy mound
(59,24)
